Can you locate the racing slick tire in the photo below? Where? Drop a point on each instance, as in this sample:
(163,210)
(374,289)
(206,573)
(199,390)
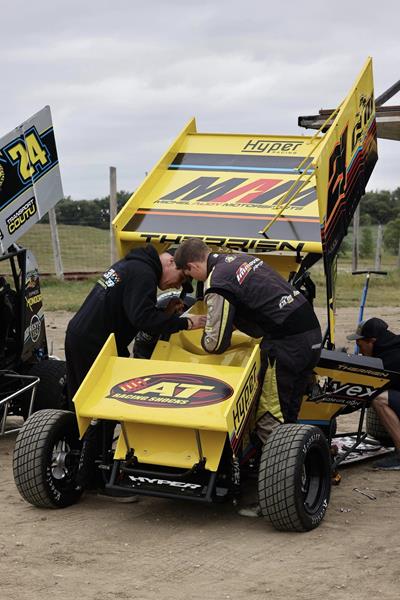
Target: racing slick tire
(51,391)
(375,429)
(294,481)
(46,459)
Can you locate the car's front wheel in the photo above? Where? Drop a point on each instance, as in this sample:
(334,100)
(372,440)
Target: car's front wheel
(46,459)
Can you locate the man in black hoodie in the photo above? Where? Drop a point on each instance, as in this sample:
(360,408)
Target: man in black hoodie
(123,302)
(374,339)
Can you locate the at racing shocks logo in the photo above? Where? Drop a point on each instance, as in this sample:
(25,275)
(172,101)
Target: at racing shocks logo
(171,390)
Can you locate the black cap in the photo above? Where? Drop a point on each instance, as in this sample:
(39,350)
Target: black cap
(372,328)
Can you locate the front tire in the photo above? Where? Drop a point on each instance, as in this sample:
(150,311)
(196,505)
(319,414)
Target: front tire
(295,478)
(46,458)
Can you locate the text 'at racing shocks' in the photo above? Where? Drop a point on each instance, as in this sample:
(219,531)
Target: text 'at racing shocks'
(183,419)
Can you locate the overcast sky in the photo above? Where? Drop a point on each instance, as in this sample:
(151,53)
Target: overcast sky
(123,77)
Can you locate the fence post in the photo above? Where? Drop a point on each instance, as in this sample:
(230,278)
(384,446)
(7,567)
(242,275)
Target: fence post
(55,242)
(113,211)
(356,231)
(398,257)
(378,253)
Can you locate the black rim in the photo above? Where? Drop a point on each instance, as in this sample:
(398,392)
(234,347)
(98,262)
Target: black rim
(313,481)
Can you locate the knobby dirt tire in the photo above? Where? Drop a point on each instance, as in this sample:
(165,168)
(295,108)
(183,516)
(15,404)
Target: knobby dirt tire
(294,480)
(51,391)
(46,458)
(375,429)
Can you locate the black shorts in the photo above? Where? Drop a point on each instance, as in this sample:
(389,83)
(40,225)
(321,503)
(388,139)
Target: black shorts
(394,401)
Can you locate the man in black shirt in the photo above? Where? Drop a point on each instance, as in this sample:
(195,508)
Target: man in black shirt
(242,291)
(374,339)
(123,302)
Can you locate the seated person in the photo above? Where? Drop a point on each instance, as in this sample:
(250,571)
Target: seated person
(374,339)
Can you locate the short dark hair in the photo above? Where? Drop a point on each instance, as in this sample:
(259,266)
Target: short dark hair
(191,250)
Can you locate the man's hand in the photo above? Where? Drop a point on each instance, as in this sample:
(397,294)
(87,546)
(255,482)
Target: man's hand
(197,321)
(175,307)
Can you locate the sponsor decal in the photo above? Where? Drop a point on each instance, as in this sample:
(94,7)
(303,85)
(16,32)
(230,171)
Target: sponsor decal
(241,244)
(154,481)
(366,110)
(35,328)
(21,216)
(285,300)
(261,146)
(109,279)
(245,399)
(171,390)
(2,176)
(229,259)
(242,272)
(33,300)
(239,191)
(351,390)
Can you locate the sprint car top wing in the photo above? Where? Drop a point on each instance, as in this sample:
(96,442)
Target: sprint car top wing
(257,191)
(30,181)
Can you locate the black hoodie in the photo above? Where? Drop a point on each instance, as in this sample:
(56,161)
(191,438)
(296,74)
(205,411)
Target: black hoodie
(387,348)
(123,301)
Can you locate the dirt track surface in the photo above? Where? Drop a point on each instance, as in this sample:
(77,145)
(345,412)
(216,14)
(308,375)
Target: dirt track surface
(165,550)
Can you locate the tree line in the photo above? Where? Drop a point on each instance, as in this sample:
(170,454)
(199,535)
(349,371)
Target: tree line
(377,207)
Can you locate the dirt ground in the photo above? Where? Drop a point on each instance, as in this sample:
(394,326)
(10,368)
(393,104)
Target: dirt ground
(165,550)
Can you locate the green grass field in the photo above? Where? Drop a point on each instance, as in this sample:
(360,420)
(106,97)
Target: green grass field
(82,248)
(383,291)
(87,249)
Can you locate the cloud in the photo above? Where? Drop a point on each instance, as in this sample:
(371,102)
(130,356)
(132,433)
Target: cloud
(123,77)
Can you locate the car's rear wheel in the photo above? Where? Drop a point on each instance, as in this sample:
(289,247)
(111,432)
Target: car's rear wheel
(375,428)
(295,477)
(51,391)
(46,459)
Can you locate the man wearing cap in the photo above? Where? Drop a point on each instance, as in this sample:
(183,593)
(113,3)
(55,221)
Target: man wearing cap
(123,302)
(374,339)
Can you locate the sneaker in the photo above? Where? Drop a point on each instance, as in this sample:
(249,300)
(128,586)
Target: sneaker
(253,510)
(389,463)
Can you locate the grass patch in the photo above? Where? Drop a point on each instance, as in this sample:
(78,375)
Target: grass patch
(82,248)
(65,295)
(383,291)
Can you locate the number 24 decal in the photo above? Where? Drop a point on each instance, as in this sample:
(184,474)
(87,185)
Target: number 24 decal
(29,154)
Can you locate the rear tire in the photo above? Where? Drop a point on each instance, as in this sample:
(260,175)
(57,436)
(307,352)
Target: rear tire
(51,391)
(46,458)
(375,429)
(295,478)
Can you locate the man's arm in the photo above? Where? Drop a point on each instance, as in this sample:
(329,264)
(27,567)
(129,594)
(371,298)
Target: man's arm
(219,326)
(140,305)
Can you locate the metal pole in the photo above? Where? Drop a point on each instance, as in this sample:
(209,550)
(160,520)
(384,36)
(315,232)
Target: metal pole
(113,211)
(378,254)
(356,236)
(398,257)
(55,242)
